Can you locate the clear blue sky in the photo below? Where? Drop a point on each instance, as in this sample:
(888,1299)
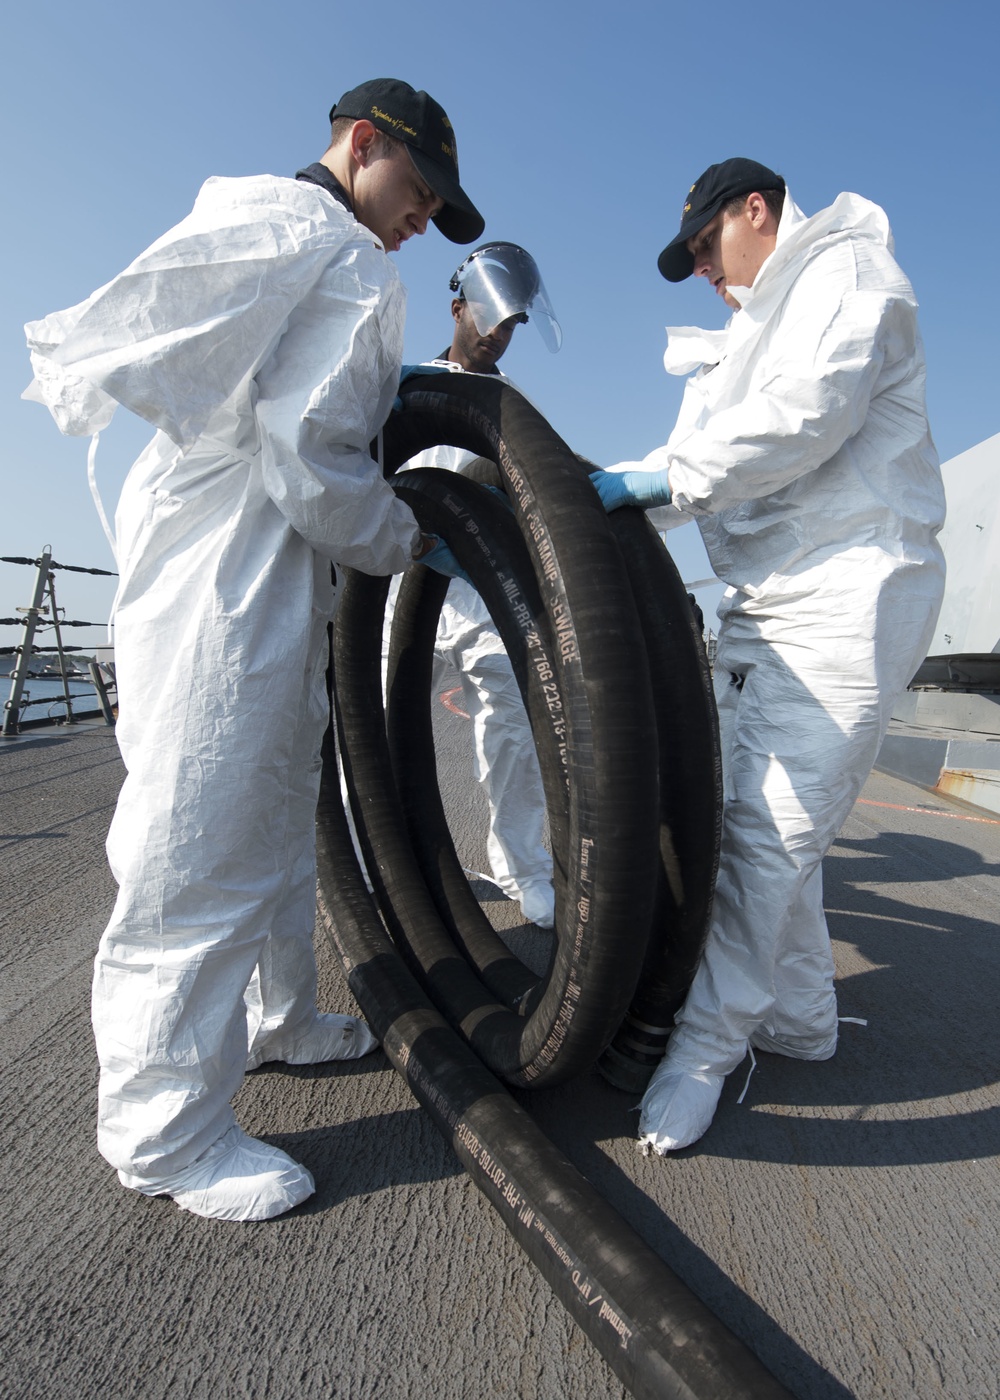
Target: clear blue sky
(580,127)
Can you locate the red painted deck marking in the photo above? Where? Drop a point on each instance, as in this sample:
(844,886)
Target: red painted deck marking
(445,698)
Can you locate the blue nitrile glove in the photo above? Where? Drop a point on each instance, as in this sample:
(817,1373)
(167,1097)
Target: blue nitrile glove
(643,489)
(407,371)
(442,561)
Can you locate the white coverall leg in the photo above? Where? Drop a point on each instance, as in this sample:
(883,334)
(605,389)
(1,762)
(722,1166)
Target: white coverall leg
(504,760)
(282,1020)
(198,908)
(799,739)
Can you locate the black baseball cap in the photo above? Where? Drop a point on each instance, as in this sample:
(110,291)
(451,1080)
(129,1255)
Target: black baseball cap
(414,117)
(710,193)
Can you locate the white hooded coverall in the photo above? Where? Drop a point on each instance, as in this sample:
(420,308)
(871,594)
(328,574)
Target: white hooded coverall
(262,337)
(805,455)
(504,760)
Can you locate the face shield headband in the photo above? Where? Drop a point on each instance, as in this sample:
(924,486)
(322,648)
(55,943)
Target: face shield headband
(501,280)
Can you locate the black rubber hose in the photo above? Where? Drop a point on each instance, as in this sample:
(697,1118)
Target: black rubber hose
(690,771)
(688,751)
(661,1341)
(690,785)
(610,751)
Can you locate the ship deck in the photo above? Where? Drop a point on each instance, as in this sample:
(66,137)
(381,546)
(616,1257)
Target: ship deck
(844,1220)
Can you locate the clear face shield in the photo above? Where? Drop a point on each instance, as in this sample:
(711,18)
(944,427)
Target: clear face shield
(500,280)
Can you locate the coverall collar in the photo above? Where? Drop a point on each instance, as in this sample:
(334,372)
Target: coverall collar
(318,174)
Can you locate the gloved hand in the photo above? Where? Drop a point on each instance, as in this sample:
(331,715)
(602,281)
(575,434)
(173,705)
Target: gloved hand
(643,489)
(408,371)
(442,561)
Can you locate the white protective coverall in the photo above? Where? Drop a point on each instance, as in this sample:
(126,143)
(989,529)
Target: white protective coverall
(805,455)
(262,336)
(504,759)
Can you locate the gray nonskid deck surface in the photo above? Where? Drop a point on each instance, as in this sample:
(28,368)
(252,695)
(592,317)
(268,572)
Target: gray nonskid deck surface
(842,1220)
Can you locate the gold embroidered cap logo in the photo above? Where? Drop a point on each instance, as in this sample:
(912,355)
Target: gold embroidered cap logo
(397,123)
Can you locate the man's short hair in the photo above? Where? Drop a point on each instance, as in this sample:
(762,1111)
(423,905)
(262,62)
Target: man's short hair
(774,199)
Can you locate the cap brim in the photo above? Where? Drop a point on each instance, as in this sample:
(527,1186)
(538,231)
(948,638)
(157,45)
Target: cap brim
(676,263)
(459,220)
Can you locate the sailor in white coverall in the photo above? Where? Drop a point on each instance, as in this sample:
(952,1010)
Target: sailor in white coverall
(262,337)
(803,451)
(497,287)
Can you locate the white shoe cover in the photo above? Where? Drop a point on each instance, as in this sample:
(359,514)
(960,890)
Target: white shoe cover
(328,1037)
(538,905)
(237,1178)
(677,1108)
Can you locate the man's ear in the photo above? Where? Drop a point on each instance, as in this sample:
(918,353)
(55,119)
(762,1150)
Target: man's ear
(757,211)
(362,143)
(457,303)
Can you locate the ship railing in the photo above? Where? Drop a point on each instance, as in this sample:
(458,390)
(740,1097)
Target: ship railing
(42,613)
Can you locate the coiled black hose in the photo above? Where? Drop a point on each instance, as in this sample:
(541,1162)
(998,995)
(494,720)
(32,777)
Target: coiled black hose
(626,855)
(597,625)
